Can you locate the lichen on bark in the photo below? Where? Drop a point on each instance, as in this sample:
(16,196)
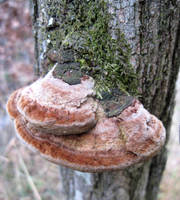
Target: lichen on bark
(83,27)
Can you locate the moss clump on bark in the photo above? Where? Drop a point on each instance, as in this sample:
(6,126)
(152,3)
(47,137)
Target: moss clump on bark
(85,28)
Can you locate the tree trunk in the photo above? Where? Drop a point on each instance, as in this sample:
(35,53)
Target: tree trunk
(152,28)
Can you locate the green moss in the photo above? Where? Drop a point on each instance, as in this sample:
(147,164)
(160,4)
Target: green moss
(84,27)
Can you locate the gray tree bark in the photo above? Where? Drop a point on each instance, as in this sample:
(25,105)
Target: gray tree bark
(152,28)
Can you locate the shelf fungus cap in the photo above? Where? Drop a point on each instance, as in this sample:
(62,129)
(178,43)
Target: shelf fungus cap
(53,106)
(107,143)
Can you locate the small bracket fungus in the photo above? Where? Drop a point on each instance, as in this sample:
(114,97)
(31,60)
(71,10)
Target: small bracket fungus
(67,125)
(51,105)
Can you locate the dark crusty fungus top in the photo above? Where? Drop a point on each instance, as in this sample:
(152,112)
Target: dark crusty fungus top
(68,126)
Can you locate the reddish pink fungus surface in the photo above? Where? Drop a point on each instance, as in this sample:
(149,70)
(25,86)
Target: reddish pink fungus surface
(66,125)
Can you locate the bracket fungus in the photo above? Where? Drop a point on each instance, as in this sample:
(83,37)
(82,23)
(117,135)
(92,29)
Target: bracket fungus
(67,125)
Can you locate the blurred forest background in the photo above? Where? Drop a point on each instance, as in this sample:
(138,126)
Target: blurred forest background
(24,175)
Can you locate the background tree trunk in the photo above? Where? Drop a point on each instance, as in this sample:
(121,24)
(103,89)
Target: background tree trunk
(152,28)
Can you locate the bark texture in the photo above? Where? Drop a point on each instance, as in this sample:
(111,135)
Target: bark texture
(152,28)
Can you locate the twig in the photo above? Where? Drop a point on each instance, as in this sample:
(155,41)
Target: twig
(10,145)
(29,178)
(4,159)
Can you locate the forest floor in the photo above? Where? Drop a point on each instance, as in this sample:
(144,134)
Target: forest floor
(23,174)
